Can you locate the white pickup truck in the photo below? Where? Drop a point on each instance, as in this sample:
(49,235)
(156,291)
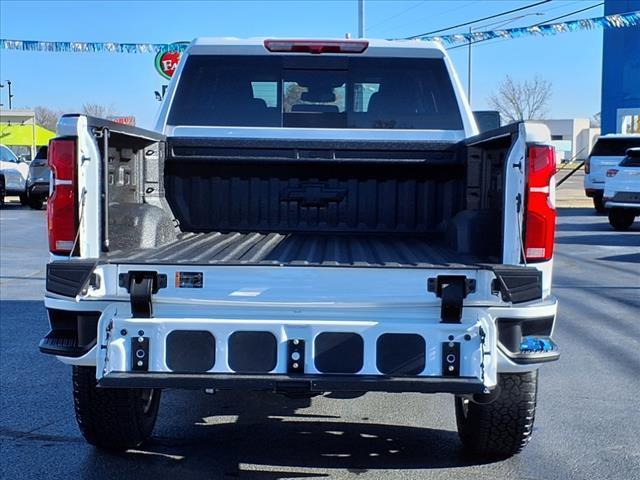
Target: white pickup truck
(310,216)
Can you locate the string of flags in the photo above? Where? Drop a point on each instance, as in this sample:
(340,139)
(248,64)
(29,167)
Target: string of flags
(624,20)
(90,47)
(630,19)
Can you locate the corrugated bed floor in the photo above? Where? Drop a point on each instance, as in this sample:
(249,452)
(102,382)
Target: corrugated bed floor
(297,249)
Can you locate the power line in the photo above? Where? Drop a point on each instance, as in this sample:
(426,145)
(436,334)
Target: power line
(431,17)
(530,26)
(479,20)
(568,14)
(376,25)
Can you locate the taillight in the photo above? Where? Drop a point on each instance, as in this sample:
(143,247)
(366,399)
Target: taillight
(316,46)
(62,206)
(587,165)
(540,215)
(612,172)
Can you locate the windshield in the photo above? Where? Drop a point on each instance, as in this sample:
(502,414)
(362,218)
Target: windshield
(6,155)
(315,92)
(614,147)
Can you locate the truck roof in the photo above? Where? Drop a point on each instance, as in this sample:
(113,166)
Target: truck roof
(620,135)
(376,47)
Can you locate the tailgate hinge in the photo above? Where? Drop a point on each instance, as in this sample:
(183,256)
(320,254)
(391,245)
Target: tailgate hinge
(141,285)
(453,289)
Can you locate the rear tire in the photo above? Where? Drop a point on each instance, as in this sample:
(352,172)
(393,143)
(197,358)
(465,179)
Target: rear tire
(598,204)
(113,419)
(502,428)
(621,219)
(36,202)
(24,199)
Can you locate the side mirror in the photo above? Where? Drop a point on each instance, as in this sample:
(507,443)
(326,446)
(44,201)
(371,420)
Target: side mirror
(487,120)
(633,152)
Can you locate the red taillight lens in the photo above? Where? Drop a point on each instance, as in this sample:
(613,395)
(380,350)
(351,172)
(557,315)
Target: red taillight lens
(612,172)
(61,206)
(540,216)
(316,46)
(587,165)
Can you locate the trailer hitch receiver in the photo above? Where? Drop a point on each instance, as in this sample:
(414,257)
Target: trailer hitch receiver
(141,285)
(453,289)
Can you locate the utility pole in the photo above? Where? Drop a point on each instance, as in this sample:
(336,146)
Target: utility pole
(469,70)
(360,18)
(10,94)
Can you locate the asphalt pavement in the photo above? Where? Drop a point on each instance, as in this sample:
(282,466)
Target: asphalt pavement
(587,421)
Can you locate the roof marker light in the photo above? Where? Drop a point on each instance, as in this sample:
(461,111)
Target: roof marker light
(316,46)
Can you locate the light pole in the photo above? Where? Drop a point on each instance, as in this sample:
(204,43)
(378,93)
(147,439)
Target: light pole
(10,94)
(360,18)
(469,70)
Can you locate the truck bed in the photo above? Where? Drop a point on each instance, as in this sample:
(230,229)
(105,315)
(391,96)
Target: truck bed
(271,248)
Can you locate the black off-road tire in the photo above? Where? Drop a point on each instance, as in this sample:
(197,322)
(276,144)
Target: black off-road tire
(621,218)
(113,418)
(502,428)
(36,202)
(598,204)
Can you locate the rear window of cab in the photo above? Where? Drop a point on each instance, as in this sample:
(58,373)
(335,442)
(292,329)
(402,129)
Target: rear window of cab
(315,92)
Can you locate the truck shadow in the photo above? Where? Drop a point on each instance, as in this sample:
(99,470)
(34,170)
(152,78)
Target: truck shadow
(233,432)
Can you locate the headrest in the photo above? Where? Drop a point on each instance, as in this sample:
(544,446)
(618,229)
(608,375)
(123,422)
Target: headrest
(302,107)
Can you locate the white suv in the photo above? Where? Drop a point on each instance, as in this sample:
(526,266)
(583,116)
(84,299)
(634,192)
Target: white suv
(607,153)
(622,191)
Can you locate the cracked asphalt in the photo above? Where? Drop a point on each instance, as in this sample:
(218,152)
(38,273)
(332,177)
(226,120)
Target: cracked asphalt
(586,427)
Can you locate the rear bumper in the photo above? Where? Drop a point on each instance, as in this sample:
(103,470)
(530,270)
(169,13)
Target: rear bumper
(294,383)
(358,353)
(364,327)
(625,205)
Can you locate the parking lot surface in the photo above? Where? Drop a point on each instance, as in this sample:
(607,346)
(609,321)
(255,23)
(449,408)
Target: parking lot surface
(586,427)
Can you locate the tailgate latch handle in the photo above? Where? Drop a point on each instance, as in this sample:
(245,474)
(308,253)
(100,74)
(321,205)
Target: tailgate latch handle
(453,289)
(141,285)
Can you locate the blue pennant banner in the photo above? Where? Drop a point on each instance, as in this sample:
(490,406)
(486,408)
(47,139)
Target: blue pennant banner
(631,19)
(84,47)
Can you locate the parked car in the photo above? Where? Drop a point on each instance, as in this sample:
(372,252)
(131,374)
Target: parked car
(607,152)
(340,239)
(15,173)
(2,189)
(622,191)
(38,179)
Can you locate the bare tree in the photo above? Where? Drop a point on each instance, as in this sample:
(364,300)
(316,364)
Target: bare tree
(46,117)
(97,110)
(526,100)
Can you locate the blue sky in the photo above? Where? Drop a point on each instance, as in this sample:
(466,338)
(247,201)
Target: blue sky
(572,61)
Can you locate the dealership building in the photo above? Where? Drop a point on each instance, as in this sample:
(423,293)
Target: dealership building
(621,73)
